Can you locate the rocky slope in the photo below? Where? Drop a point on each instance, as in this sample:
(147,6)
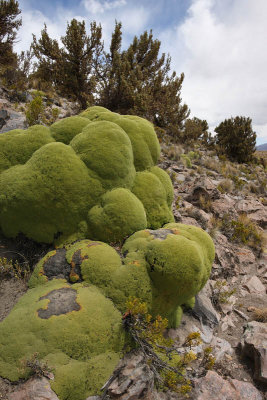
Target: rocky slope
(229,202)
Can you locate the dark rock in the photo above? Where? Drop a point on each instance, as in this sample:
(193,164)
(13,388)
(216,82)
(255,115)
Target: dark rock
(205,311)
(4,116)
(61,301)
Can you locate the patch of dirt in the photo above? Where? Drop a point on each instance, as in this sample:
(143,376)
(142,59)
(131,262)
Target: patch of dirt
(10,292)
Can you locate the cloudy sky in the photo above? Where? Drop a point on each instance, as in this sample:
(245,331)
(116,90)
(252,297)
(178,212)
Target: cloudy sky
(220,45)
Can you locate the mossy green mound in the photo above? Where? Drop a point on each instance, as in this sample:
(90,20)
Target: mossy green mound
(145,144)
(58,184)
(48,195)
(153,190)
(107,152)
(75,329)
(119,214)
(18,145)
(165,268)
(65,129)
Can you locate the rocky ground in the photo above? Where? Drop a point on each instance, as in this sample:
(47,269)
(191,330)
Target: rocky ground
(229,202)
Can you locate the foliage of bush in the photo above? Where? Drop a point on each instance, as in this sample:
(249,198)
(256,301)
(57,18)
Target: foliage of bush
(236,139)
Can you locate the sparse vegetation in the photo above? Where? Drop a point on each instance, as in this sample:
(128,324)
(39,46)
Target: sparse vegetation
(226,186)
(247,232)
(13,269)
(167,365)
(222,293)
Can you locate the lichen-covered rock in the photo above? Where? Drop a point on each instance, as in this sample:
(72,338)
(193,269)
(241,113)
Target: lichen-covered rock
(69,181)
(74,329)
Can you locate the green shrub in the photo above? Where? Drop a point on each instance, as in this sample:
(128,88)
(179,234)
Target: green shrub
(235,139)
(34,111)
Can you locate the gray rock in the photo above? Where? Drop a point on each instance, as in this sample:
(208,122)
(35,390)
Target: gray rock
(220,348)
(16,121)
(254,346)
(254,285)
(34,389)
(213,386)
(205,311)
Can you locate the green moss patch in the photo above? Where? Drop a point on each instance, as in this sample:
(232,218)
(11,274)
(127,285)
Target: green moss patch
(119,214)
(17,146)
(48,195)
(65,129)
(152,193)
(75,337)
(107,152)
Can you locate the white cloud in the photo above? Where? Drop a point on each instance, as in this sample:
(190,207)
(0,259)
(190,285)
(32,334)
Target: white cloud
(99,7)
(221,48)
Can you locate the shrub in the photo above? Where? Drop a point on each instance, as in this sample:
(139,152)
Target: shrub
(247,232)
(35,111)
(226,186)
(236,139)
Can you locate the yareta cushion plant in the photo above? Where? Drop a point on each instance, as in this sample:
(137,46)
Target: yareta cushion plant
(59,183)
(77,327)
(87,184)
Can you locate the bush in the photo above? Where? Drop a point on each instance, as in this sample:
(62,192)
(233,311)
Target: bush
(35,111)
(236,139)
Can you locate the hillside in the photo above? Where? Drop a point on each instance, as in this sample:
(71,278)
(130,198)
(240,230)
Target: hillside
(226,200)
(262,147)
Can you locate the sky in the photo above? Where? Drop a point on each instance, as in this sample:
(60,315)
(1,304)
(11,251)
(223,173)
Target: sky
(220,46)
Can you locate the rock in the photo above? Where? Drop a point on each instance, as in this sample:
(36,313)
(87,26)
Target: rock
(16,121)
(245,256)
(254,209)
(4,116)
(134,379)
(180,177)
(34,389)
(200,191)
(223,205)
(189,221)
(220,348)
(205,311)
(213,386)
(254,346)
(254,285)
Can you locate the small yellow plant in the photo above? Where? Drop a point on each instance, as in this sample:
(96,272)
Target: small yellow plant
(221,294)
(9,268)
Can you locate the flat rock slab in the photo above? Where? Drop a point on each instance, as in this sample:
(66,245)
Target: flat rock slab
(34,389)
(213,386)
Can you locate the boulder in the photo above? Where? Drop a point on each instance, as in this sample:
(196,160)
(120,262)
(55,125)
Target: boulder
(213,386)
(254,346)
(34,389)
